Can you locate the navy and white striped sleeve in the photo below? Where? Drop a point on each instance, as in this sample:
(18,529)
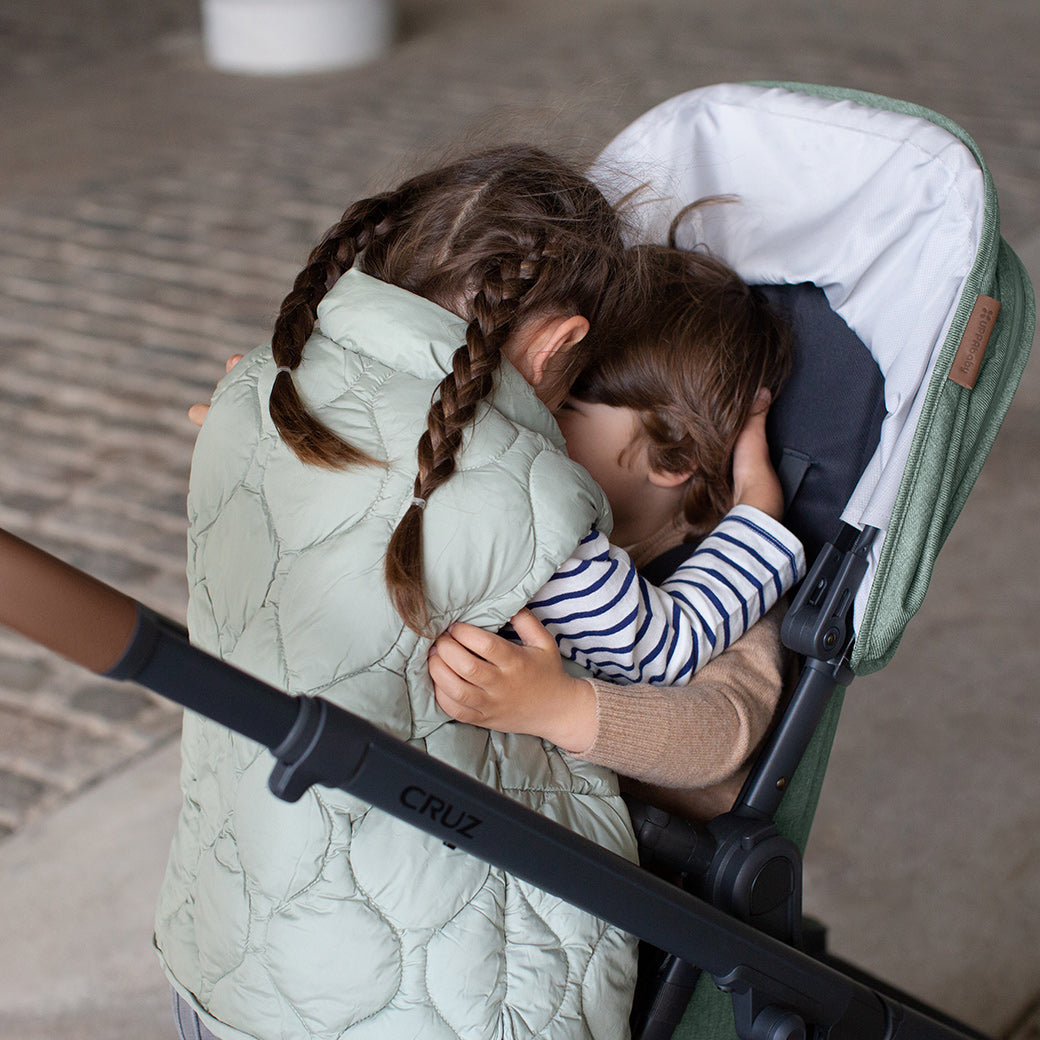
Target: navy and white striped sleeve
(613,623)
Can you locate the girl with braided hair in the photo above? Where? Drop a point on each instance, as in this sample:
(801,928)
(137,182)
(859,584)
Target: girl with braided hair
(326,552)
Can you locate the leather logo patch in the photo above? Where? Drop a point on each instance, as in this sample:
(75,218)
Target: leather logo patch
(966,364)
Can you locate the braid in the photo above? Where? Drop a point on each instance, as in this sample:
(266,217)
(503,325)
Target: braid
(312,441)
(454,408)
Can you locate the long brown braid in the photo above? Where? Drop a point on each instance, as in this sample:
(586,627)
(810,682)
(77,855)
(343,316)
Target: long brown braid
(503,238)
(311,440)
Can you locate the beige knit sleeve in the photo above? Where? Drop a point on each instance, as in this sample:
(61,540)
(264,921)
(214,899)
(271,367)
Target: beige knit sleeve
(701,734)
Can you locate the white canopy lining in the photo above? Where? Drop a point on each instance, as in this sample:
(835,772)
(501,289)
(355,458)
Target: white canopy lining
(882,211)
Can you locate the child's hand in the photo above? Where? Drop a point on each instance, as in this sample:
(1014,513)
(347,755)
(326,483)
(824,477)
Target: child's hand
(483,679)
(755,482)
(197,412)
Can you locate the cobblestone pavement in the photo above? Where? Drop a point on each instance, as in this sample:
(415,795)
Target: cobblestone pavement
(104,341)
(153,212)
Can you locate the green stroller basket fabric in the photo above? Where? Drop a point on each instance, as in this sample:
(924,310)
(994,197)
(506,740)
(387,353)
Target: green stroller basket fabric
(889,209)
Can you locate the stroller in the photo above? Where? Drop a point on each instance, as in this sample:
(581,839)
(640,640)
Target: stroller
(874,223)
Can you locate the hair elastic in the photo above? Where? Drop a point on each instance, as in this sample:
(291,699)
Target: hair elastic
(420,502)
(284,368)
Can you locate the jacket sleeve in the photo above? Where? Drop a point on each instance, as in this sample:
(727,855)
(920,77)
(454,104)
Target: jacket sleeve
(617,626)
(698,735)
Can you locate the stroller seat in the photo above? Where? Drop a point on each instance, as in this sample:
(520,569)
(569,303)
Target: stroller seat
(889,209)
(873,222)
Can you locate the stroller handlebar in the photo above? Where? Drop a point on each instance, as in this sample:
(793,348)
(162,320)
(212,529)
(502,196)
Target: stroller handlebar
(776,989)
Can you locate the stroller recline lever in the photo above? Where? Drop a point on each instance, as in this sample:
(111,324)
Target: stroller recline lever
(818,623)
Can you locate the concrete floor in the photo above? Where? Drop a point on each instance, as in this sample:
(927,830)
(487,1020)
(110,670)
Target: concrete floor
(152,212)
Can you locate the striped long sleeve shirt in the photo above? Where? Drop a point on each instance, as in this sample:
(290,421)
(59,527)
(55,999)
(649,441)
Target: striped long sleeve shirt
(613,623)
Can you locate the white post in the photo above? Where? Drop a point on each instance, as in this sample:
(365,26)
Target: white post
(283,37)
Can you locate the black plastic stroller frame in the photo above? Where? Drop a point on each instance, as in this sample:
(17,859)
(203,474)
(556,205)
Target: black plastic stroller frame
(779,992)
(739,862)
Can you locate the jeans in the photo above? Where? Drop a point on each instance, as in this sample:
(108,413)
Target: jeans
(188,1025)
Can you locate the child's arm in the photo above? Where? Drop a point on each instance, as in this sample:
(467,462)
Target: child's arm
(693,736)
(617,626)
(701,734)
(690,736)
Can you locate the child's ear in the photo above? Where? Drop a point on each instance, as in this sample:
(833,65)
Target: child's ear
(666,479)
(554,335)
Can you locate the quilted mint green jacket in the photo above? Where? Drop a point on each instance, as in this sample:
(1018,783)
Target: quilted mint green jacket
(326,918)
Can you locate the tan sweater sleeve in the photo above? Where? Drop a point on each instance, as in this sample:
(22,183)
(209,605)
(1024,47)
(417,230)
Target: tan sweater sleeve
(699,735)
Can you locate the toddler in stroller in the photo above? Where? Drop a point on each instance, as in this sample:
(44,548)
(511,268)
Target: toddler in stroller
(660,421)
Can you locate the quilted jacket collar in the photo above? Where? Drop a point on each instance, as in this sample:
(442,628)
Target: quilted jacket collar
(411,334)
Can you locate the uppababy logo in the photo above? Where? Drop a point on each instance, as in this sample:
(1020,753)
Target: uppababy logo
(966,365)
(425,804)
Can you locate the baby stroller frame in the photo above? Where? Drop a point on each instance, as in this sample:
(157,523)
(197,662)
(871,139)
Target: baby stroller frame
(779,992)
(737,916)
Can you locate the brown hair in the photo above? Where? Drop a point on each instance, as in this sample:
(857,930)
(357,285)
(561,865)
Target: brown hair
(501,238)
(696,346)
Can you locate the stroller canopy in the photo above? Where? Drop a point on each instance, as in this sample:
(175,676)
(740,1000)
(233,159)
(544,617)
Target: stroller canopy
(889,210)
